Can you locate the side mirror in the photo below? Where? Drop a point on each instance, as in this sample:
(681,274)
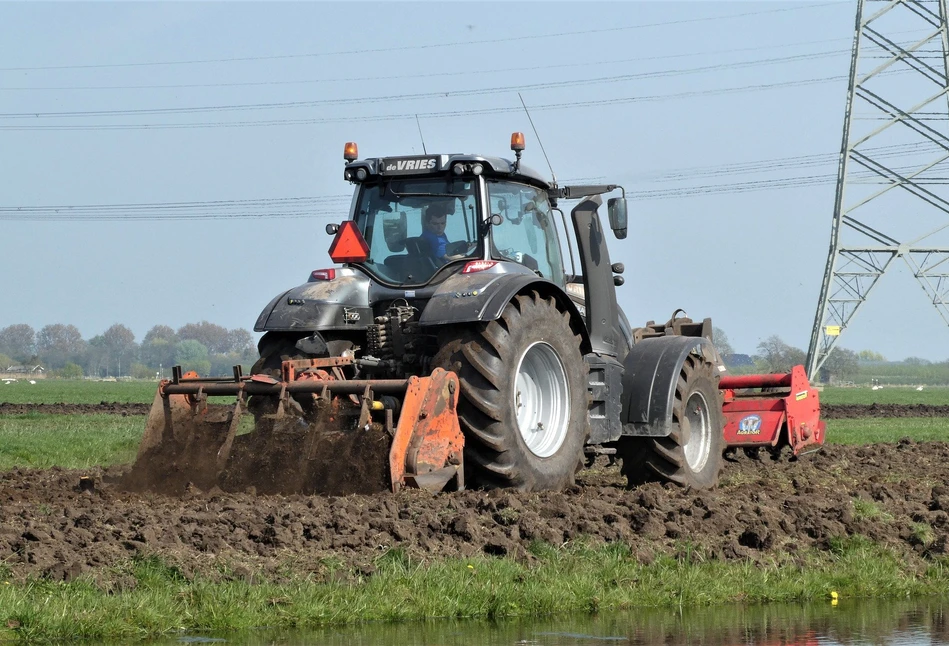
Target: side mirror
(616,206)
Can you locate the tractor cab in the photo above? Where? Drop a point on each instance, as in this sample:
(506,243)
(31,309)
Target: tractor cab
(416,220)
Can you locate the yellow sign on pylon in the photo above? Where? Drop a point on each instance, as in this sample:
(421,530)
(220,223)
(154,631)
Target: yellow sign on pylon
(832,330)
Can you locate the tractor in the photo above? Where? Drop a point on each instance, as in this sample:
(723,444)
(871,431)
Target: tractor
(456,342)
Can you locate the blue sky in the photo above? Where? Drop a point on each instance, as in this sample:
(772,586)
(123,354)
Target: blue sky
(186,103)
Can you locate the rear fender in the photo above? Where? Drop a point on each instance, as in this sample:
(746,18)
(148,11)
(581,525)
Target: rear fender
(339,304)
(481,297)
(651,370)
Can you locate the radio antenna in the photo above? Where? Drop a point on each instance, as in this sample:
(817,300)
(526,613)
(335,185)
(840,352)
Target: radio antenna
(424,151)
(534,128)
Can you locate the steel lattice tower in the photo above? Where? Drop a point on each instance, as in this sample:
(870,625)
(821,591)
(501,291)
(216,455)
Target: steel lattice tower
(895,137)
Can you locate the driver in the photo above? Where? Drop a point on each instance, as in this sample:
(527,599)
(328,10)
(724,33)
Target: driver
(433,228)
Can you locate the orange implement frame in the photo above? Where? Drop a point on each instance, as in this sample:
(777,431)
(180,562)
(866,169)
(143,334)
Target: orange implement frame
(418,414)
(427,448)
(761,410)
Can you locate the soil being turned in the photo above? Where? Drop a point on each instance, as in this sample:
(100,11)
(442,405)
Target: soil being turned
(59,523)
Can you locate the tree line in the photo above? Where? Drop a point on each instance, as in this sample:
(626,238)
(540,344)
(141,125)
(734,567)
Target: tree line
(773,355)
(60,349)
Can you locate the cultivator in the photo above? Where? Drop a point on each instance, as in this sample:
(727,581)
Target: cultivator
(757,408)
(315,431)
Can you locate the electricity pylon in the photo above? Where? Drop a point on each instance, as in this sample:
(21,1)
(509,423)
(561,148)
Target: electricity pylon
(891,178)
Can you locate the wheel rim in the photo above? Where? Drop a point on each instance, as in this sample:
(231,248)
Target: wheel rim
(699,432)
(540,400)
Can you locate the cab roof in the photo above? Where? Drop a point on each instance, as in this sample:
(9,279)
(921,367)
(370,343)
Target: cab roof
(425,165)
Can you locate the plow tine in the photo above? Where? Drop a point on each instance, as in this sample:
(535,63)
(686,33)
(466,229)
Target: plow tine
(225,451)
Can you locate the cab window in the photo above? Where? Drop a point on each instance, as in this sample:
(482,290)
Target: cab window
(526,233)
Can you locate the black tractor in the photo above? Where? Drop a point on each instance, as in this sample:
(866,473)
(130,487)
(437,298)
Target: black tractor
(466,263)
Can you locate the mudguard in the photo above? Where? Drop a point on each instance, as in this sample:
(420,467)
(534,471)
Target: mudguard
(651,370)
(337,304)
(467,298)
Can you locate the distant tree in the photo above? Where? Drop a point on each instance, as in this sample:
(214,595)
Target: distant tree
(720,339)
(70,371)
(160,333)
(239,340)
(192,355)
(158,348)
(120,346)
(5,362)
(56,344)
(916,361)
(141,371)
(841,363)
(870,356)
(212,336)
(18,342)
(774,355)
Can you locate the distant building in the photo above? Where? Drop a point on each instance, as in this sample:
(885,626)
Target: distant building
(19,372)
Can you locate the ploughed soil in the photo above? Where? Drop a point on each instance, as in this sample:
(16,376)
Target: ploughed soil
(60,524)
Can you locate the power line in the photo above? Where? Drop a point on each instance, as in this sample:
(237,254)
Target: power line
(468,72)
(326,206)
(609,80)
(431,115)
(424,46)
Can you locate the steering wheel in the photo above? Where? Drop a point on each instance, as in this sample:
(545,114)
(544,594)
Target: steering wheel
(460,249)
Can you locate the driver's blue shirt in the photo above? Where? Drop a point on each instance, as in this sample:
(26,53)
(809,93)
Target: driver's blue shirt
(436,242)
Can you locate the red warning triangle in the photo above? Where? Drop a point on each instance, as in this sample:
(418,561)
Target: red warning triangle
(349,245)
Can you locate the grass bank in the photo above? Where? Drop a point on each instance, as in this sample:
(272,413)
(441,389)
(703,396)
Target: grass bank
(159,601)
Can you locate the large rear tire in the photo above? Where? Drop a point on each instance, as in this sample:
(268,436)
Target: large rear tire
(523,401)
(691,456)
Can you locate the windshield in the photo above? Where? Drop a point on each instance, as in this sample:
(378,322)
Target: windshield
(526,233)
(415,226)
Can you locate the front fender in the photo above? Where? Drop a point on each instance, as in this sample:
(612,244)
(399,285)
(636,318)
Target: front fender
(651,370)
(469,298)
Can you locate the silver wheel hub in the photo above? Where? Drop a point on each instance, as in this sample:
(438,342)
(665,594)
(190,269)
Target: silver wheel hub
(541,400)
(696,432)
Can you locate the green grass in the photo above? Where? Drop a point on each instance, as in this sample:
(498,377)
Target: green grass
(65,391)
(869,430)
(887,395)
(571,579)
(70,441)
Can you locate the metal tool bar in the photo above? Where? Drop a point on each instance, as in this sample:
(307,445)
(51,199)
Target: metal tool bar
(343,387)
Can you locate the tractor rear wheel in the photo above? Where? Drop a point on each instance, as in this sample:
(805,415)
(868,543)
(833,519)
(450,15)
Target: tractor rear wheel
(692,454)
(523,401)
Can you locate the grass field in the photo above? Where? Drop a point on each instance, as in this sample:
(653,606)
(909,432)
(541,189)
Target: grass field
(55,391)
(69,441)
(870,430)
(932,395)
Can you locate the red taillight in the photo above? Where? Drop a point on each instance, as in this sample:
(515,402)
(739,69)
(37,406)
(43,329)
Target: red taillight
(478,265)
(349,245)
(323,274)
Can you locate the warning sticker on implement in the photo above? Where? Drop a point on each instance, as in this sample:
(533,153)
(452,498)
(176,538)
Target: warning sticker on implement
(801,395)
